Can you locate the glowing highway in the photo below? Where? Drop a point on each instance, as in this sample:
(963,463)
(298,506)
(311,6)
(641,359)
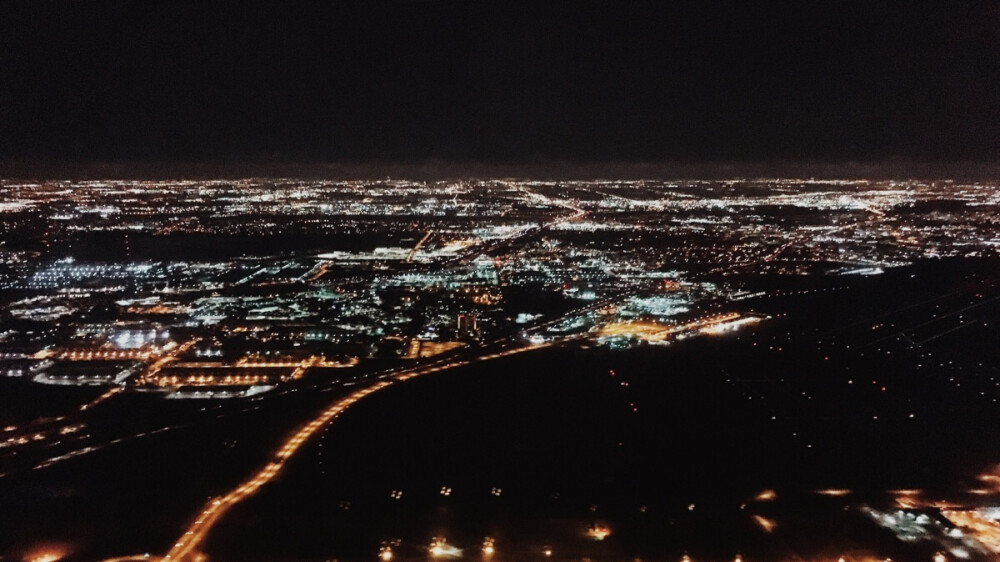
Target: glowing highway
(186,547)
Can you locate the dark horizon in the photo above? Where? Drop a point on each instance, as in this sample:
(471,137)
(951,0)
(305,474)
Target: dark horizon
(439,170)
(498,83)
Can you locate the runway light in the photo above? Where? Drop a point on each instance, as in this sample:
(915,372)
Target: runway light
(547,552)
(488,548)
(385,553)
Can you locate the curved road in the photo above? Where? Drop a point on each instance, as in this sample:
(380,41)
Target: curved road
(187,546)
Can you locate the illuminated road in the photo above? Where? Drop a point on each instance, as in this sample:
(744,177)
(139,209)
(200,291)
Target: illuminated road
(165,360)
(416,248)
(107,395)
(186,547)
(486,247)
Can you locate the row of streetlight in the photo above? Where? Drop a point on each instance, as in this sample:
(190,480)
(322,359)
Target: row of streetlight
(440,549)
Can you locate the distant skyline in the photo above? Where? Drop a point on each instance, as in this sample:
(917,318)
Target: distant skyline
(498,83)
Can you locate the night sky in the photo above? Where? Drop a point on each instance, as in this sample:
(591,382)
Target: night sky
(501,82)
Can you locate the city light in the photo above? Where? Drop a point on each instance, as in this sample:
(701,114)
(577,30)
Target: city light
(766,496)
(598,531)
(767,525)
(459,272)
(441,549)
